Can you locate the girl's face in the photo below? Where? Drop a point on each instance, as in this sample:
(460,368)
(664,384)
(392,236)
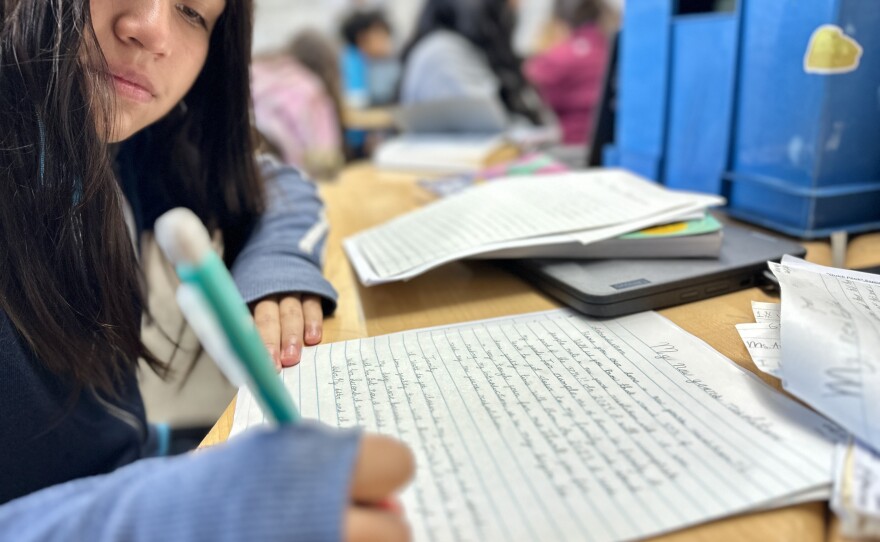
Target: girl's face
(155,50)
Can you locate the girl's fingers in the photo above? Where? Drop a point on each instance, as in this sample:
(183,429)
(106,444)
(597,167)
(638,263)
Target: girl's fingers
(267,319)
(291,310)
(313,316)
(374,525)
(384,465)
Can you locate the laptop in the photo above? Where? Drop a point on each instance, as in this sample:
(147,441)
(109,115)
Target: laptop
(451,116)
(607,288)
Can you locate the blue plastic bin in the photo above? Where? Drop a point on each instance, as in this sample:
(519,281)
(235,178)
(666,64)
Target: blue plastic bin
(804,212)
(724,103)
(806,128)
(702,84)
(676,92)
(644,64)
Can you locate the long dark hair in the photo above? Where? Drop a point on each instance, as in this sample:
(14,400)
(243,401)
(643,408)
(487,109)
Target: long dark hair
(489,25)
(578,13)
(70,281)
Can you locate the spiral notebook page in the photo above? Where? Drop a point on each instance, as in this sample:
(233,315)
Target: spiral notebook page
(553,426)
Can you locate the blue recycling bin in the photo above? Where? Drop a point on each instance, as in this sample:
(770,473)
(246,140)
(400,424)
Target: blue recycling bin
(774,104)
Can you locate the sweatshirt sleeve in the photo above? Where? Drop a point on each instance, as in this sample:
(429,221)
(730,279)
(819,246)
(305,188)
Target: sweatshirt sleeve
(286,250)
(445,66)
(290,484)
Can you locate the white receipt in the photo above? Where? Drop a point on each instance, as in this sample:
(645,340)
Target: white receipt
(831,333)
(519,212)
(554,426)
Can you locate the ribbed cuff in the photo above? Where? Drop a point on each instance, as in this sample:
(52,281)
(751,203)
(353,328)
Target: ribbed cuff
(273,275)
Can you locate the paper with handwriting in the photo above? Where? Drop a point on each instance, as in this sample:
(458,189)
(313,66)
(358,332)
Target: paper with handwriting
(831,333)
(762,340)
(520,212)
(554,426)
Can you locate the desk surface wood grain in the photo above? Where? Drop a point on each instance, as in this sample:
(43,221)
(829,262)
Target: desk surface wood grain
(459,292)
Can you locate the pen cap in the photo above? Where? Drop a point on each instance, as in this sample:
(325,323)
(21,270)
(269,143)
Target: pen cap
(182,237)
(218,304)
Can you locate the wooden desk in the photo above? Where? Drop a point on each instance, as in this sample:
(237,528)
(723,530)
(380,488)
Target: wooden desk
(459,292)
(377,118)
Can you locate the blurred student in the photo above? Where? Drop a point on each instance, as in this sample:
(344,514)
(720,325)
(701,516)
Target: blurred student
(298,104)
(568,73)
(370,71)
(463,49)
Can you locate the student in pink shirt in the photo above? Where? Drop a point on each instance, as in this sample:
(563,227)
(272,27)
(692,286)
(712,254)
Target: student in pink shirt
(568,73)
(297,104)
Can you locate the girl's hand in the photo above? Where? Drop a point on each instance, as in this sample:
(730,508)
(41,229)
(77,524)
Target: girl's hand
(287,322)
(383,467)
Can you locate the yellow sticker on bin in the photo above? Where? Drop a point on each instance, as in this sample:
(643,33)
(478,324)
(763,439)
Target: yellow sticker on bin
(831,51)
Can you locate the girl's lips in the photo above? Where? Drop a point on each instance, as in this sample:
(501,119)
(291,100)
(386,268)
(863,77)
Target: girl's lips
(131,89)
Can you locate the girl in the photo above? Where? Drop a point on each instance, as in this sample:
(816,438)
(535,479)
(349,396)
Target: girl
(568,73)
(297,97)
(146,98)
(462,49)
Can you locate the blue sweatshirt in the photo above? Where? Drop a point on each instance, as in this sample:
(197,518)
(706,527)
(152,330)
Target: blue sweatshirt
(292,484)
(48,437)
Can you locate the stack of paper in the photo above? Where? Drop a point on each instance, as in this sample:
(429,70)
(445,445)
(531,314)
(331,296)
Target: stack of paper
(582,207)
(823,341)
(554,426)
(443,153)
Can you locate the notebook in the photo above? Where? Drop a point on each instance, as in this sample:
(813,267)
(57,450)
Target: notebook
(617,287)
(699,238)
(554,426)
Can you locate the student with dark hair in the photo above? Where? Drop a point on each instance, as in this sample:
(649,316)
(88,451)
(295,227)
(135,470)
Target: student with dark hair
(369,72)
(568,73)
(462,49)
(113,112)
(369,31)
(298,103)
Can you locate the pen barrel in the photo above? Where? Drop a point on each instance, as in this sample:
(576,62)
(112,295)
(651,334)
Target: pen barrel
(233,315)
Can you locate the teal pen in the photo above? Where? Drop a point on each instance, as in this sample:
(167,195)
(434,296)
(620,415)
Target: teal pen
(219,316)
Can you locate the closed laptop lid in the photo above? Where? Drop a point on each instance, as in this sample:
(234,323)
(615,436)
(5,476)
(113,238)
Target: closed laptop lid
(604,283)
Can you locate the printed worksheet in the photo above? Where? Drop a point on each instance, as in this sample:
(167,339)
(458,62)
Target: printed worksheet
(554,426)
(831,333)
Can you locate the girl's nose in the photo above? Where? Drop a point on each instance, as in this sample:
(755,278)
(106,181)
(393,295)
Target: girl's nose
(145,24)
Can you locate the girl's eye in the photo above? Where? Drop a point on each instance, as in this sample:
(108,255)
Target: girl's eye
(191,15)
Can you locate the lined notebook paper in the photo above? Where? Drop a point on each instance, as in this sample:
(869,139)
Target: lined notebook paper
(553,426)
(520,212)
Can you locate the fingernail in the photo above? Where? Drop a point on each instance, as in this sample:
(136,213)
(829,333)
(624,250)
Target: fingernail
(290,353)
(392,505)
(312,333)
